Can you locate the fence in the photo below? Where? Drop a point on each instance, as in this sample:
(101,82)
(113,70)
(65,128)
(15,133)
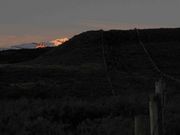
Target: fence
(154,123)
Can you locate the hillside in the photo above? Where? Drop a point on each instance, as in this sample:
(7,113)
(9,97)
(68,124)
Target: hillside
(82,57)
(20,55)
(122,50)
(67,86)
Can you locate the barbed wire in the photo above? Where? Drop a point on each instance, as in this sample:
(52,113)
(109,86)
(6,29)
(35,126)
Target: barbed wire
(155,66)
(105,63)
(164,75)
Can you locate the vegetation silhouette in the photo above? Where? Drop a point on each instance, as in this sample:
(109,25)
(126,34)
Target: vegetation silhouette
(63,90)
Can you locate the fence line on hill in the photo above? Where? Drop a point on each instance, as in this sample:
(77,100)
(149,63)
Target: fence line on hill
(155,66)
(105,63)
(153,62)
(157,103)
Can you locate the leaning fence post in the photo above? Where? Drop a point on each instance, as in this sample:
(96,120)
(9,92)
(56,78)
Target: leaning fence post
(156,104)
(153,112)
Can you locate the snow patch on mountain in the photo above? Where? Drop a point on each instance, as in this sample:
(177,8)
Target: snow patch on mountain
(52,43)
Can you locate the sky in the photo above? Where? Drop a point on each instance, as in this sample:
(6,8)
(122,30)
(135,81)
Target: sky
(23,21)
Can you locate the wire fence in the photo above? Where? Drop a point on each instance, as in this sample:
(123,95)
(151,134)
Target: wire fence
(155,66)
(105,64)
(153,63)
(162,74)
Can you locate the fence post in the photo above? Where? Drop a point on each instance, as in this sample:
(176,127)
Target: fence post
(141,123)
(153,112)
(156,104)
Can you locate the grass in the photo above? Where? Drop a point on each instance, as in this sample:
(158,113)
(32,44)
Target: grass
(65,90)
(112,115)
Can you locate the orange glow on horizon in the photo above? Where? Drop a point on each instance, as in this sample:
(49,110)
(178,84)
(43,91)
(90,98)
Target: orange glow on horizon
(58,42)
(40,45)
(53,43)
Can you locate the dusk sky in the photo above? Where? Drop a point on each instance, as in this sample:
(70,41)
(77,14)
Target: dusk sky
(23,21)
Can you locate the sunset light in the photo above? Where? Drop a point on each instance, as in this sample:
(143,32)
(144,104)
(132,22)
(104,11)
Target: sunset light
(84,67)
(52,43)
(41,45)
(58,42)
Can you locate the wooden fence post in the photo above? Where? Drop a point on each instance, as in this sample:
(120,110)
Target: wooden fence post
(141,123)
(153,112)
(156,104)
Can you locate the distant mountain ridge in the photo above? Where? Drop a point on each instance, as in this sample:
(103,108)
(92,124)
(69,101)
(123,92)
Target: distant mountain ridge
(33,45)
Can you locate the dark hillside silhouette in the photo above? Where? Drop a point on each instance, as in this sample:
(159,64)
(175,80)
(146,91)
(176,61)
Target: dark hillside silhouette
(20,55)
(65,90)
(122,50)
